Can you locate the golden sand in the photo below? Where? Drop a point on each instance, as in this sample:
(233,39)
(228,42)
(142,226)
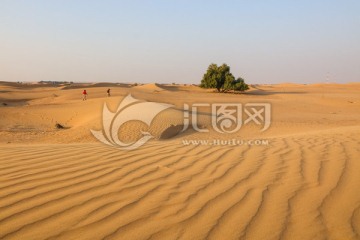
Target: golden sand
(64,184)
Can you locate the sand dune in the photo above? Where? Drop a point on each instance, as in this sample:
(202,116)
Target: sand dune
(150,87)
(64,184)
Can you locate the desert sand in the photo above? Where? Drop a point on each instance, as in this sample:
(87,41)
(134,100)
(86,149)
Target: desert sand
(65,184)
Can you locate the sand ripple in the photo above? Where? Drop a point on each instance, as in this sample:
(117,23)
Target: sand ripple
(299,187)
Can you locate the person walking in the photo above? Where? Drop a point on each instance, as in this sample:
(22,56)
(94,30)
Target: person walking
(108,92)
(84,95)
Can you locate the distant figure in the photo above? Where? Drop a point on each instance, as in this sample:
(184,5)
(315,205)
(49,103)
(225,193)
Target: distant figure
(108,92)
(84,95)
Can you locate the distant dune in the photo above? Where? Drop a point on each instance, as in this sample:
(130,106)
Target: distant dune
(150,87)
(65,184)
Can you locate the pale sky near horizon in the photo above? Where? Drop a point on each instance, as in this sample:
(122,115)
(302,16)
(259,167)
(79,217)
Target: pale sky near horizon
(264,41)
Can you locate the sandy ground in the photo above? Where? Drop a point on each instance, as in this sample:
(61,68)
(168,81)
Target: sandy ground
(65,184)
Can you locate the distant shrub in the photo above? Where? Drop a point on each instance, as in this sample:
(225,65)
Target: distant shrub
(237,85)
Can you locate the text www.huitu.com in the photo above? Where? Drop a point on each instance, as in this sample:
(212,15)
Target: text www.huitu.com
(229,142)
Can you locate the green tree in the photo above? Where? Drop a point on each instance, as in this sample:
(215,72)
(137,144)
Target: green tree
(221,78)
(229,82)
(216,76)
(210,77)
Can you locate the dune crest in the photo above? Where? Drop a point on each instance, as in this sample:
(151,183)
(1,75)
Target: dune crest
(150,87)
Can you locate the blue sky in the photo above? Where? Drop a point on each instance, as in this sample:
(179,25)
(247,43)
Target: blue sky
(264,41)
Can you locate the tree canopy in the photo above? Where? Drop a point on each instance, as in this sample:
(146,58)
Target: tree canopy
(221,78)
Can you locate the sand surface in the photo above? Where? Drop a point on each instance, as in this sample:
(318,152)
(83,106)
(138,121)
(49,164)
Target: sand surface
(65,184)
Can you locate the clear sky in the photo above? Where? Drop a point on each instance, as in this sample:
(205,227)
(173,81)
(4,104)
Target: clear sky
(164,41)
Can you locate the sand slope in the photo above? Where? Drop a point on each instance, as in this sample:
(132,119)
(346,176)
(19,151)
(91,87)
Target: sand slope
(66,185)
